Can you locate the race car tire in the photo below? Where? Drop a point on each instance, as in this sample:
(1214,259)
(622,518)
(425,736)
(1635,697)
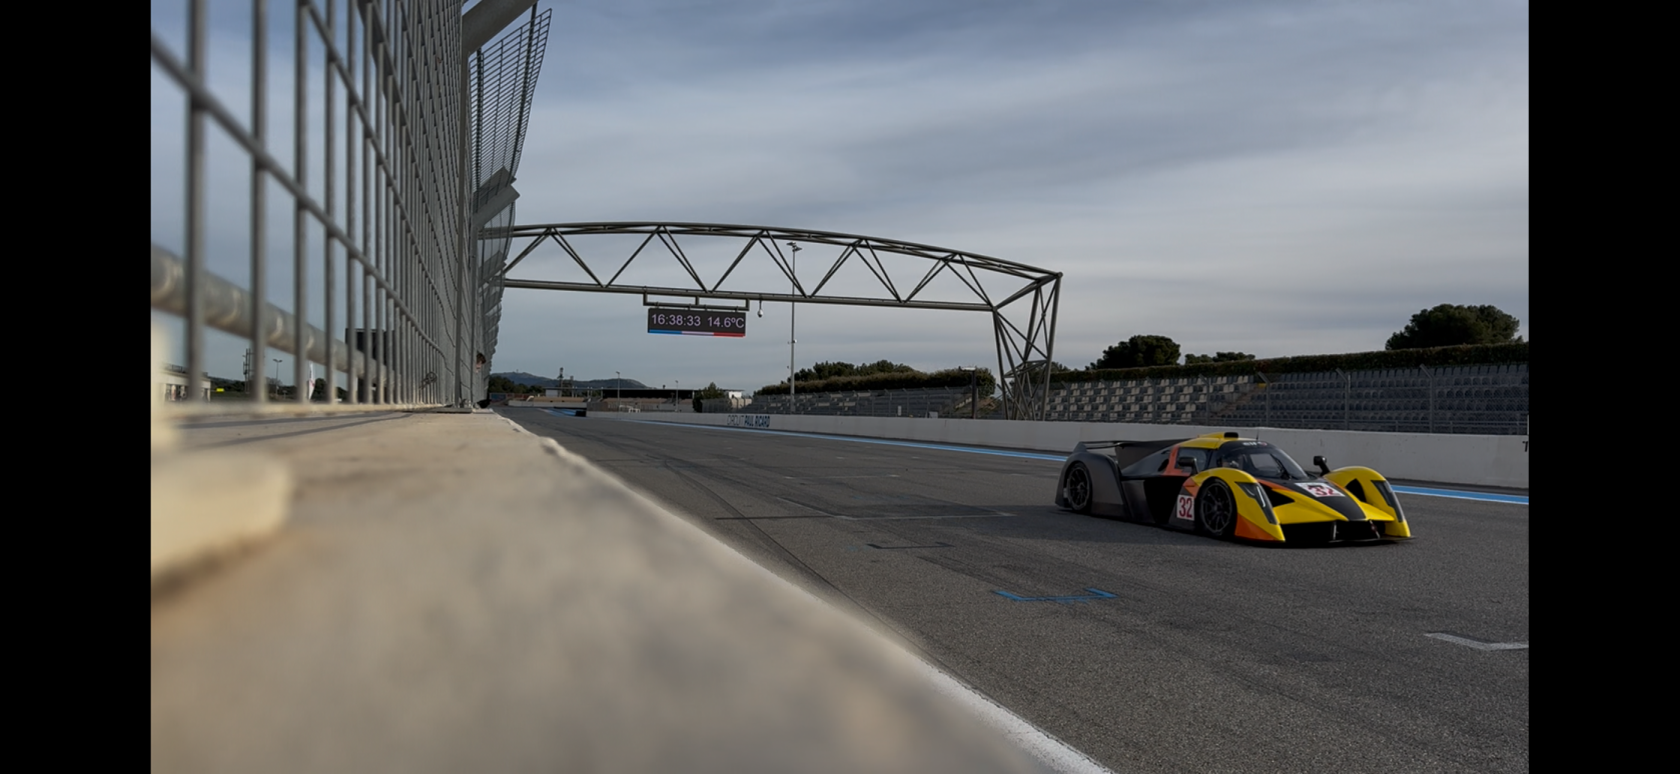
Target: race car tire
(1216,510)
(1079,488)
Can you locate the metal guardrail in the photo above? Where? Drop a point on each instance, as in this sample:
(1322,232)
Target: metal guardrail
(392,105)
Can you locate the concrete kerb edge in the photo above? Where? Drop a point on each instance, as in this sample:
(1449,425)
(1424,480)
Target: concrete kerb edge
(286,409)
(208,508)
(1039,744)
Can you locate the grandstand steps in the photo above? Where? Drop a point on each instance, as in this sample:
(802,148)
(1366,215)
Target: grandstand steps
(1249,393)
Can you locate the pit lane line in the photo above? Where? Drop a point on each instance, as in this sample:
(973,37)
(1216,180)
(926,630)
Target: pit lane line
(1456,494)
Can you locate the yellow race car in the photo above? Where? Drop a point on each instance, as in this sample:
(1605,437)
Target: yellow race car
(1227,486)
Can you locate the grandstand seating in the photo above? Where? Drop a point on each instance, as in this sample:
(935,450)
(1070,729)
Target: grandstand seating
(1465,399)
(1489,399)
(863,403)
(1181,399)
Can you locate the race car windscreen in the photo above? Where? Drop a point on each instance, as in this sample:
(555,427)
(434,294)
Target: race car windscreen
(1260,460)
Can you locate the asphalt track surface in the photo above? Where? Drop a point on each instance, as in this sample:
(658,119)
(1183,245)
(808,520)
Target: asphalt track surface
(1147,650)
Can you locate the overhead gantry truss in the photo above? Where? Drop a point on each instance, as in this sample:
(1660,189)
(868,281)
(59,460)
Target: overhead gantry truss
(1022,300)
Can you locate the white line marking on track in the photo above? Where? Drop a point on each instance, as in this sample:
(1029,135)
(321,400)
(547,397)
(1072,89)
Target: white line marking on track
(1052,752)
(1477,644)
(1055,754)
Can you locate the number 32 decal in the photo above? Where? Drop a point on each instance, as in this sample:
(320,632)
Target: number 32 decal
(1321,490)
(1186,508)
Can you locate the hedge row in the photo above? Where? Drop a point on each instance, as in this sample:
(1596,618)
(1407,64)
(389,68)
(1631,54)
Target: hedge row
(896,380)
(1467,355)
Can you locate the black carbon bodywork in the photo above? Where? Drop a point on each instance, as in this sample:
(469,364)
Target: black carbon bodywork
(1112,494)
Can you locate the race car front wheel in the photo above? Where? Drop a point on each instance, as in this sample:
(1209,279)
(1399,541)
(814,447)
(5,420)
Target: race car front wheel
(1216,509)
(1079,488)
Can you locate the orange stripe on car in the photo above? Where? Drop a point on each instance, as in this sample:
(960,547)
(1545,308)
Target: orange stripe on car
(1172,468)
(1247,530)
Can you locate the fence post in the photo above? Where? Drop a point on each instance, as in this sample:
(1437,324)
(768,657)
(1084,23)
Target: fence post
(1431,375)
(1347,394)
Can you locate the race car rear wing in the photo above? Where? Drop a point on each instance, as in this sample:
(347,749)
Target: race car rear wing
(1125,452)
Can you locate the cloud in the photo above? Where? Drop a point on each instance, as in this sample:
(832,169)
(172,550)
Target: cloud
(1278,178)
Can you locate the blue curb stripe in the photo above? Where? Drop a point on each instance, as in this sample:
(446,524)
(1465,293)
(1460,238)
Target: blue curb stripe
(1486,497)
(1095,594)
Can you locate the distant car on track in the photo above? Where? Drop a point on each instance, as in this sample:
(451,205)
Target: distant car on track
(1227,486)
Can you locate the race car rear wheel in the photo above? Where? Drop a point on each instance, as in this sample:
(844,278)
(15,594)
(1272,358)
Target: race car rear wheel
(1216,509)
(1079,488)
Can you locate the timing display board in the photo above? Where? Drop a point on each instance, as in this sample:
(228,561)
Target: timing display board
(697,322)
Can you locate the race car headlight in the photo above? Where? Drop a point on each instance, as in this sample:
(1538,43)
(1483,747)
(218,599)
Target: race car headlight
(1253,490)
(1393,501)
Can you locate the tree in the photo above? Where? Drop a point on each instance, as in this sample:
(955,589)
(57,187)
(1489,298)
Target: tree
(882,367)
(1450,325)
(499,383)
(831,370)
(1037,367)
(1219,357)
(1026,373)
(710,392)
(1139,352)
(828,371)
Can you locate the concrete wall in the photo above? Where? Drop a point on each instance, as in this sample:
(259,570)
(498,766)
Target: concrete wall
(1477,460)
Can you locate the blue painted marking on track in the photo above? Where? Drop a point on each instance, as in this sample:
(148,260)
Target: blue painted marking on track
(561,412)
(1487,497)
(1095,594)
(1427,492)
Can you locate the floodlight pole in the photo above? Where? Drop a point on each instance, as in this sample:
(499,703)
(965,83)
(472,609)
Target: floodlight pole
(974,390)
(974,393)
(792,307)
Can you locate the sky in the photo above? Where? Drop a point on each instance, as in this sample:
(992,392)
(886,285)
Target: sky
(1273,177)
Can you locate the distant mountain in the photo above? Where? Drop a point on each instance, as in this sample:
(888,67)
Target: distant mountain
(546,382)
(520,377)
